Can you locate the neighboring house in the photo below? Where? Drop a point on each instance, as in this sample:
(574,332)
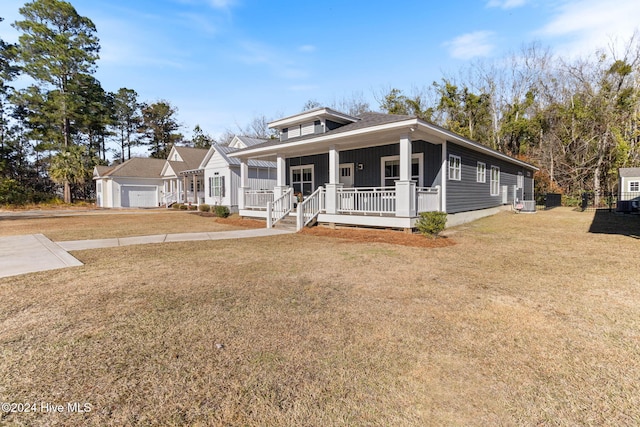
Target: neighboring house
(379,170)
(222,173)
(183,178)
(628,190)
(135,183)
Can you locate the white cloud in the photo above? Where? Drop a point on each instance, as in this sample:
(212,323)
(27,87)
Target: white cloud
(307,48)
(254,53)
(222,4)
(581,26)
(506,4)
(471,45)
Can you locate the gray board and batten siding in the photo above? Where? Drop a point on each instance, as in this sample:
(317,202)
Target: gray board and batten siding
(371,173)
(468,194)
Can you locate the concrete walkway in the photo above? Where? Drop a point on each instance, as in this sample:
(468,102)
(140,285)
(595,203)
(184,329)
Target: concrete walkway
(34,252)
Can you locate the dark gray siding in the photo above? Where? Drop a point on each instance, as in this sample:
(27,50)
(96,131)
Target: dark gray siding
(467,194)
(369,158)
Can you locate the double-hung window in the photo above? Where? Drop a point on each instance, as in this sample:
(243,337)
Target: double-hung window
(495,180)
(520,180)
(455,168)
(481,172)
(216,186)
(634,186)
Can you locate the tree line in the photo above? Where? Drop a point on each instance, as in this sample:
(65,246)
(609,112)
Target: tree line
(577,120)
(54,131)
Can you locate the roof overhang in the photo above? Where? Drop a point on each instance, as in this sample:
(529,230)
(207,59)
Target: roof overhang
(372,136)
(315,114)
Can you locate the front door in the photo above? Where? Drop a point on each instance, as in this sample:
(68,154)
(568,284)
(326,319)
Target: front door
(346,174)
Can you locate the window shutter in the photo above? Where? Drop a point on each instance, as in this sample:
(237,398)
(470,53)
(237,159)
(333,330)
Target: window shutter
(222,187)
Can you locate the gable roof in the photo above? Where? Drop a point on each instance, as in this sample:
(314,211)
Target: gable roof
(136,167)
(224,151)
(246,141)
(629,172)
(191,157)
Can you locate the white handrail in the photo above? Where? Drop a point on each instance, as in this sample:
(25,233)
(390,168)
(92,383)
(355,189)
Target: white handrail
(309,208)
(279,208)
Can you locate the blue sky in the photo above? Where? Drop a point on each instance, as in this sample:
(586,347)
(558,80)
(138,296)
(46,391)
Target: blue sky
(224,62)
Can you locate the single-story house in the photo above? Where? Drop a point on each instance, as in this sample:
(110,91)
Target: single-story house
(379,170)
(182,176)
(222,173)
(135,183)
(628,190)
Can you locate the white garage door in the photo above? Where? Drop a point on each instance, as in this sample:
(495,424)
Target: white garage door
(136,196)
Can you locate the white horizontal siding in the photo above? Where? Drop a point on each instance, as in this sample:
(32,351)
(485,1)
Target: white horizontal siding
(307,128)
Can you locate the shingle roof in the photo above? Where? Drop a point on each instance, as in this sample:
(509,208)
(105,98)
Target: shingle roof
(629,172)
(192,157)
(101,170)
(366,120)
(138,167)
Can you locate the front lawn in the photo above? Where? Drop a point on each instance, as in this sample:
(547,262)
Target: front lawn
(525,320)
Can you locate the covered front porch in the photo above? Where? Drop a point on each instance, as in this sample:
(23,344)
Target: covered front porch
(187,187)
(396,203)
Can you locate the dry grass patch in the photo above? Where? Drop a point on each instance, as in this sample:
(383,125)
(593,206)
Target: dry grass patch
(112,224)
(528,319)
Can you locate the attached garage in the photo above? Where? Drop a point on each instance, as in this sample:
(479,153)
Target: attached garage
(138,196)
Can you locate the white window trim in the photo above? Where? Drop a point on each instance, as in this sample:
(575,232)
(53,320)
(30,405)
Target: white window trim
(419,156)
(497,185)
(637,183)
(520,180)
(457,171)
(481,177)
(301,167)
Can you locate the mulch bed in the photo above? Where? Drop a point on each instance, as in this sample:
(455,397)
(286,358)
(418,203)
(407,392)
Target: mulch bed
(360,235)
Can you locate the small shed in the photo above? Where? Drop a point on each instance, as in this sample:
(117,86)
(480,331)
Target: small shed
(628,190)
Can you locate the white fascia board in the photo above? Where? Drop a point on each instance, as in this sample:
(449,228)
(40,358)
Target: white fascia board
(310,115)
(475,145)
(334,138)
(409,124)
(207,157)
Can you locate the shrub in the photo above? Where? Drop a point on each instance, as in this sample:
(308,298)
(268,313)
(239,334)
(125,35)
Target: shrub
(221,211)
(204,207)
(176,205)
(431,223)
(11,192)
(183,207)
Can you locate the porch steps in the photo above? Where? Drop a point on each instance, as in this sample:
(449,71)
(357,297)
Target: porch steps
(286,223)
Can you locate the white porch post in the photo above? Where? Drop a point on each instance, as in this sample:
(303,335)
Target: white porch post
(281,176)
(444,176)
(405,187)
(185,189)
(195,189)
(244,182)
(332,187)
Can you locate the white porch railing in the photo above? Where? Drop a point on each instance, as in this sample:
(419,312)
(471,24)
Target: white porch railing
(375,200)
(257,199)
(309,208)
(279,208)
(428,199)
(169,198)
